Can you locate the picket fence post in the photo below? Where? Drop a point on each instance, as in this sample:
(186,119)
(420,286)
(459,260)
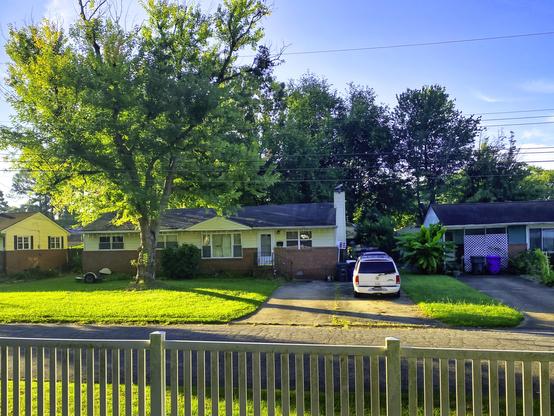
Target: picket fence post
(157,373)
(392,354)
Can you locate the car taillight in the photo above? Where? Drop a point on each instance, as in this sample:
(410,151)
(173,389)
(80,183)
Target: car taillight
(397,279)
(356,280)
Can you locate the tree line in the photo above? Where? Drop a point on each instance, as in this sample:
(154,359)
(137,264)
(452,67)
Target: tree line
(170,114)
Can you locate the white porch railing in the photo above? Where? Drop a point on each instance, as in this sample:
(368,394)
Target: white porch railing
(164,377)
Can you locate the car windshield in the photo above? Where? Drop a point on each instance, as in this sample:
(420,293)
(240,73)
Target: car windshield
(377,267)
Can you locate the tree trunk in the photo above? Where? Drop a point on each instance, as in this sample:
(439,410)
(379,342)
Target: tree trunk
(146,262)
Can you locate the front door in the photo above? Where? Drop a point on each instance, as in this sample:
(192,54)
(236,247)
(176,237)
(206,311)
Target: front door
(265,257)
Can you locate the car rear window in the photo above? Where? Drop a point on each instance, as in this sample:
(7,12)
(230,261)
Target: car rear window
(377,267)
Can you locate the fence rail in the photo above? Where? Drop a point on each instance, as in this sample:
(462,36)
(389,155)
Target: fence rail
(165,377)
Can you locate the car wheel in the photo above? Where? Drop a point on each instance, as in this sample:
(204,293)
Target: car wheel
(396,295)
(356,294)
(89,277)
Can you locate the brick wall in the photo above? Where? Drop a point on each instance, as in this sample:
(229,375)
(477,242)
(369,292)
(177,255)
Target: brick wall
(515,249)
(19,260)
(308,263)
(246,264)
(116,261)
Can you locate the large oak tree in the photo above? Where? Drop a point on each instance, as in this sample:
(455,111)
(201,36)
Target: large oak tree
(135,121)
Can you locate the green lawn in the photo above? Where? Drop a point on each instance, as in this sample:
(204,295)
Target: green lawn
(208,300)
(455,303)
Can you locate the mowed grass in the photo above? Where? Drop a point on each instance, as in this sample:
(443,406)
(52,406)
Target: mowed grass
(208,300)
(455,303)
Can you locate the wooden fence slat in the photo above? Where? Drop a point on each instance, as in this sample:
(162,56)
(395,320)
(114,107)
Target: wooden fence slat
(285,385)
(299,383)
(53,377)
(242,383)
(428,386)
(128,360)
(270,371)
(374,386)
(344,387)
(527,389)
(187,381)
(4,376)
(412,386)
(77,382)
(329,386)
(214,382)
(141,382)
(544,368)
(201,381)
(444,388)
(103,382)
(40,381)
(494,409)
(16,378)
(477,388)
(116,377)
(228,377)
(510,380)
(28,381)
(314,385)
(359,385)
(461,404)
(173,381)
(65,382)
(90,382)
(257,383)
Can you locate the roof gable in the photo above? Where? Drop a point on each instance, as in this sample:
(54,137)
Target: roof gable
(218,224)
(484,213)
(7,219)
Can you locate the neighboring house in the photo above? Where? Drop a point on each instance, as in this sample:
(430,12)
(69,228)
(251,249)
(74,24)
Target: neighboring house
(30,240)
(299,240)
(501,228)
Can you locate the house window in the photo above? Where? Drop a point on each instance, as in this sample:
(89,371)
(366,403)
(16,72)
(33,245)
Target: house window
(23,242)
(541,238)
(167,241)
(298,239)
(222,245)
(111,242)
(55,243)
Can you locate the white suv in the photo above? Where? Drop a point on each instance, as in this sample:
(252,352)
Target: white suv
(376,273)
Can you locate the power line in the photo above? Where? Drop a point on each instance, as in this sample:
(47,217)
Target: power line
(416,44)
(517,118)
(536,110)
(518,124)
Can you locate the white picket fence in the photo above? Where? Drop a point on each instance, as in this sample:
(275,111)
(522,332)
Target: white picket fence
(161,377)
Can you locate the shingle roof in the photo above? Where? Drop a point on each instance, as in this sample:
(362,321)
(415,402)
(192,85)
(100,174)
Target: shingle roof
(261,216)
(495,212)
(8,219)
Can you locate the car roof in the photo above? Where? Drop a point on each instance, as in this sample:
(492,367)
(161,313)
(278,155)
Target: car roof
(382,257)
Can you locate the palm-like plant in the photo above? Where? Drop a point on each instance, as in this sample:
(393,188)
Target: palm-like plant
(425,249)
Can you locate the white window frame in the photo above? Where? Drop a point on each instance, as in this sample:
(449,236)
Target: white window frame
(299,240)
(542,229)
(23,242)
(233,244)
(162,241)
(55,243)
(112,241)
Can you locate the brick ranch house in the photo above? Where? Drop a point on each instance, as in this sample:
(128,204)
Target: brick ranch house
(298,240)
(495,228)
(31,240)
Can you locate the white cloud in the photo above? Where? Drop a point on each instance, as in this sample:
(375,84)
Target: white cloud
(541,86)
(538,154)
(61,11)
(487,98)
(531,134)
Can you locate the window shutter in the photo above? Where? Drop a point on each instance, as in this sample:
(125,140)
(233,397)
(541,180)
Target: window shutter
(31,243)
(15,242)
(49,242)
(61,239)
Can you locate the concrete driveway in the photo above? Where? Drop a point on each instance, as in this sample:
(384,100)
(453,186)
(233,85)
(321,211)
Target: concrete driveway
(318,303)
(536,301)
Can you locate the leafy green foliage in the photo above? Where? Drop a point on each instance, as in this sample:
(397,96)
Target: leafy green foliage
(425,249)
(181,262)
(455,303)
(376,232)
(433,138)
(535,263)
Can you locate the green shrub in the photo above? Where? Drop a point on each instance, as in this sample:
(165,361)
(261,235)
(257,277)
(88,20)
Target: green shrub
(425,249)
(377,233)
(535,263)
(33,274)
(180,262)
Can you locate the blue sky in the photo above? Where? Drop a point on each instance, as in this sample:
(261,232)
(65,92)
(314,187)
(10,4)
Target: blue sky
(492,76)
